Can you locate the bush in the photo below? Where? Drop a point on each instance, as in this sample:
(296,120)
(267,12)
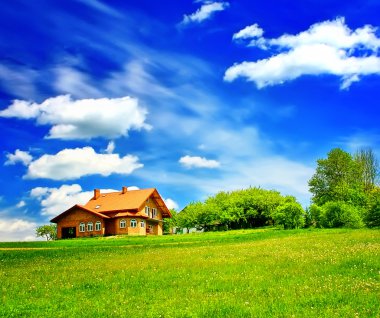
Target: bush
(315,212)
(291,215)
(340,214)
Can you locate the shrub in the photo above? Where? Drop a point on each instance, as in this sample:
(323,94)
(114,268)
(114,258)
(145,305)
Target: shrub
(291,215)
(340,214)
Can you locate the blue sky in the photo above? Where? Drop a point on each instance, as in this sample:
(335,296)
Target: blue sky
(190,97)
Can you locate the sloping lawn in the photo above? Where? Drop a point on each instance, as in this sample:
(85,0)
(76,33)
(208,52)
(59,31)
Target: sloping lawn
(251,273)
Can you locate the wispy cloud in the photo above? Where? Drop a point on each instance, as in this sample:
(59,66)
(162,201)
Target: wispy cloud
(101,7)
(205,12)
(329,47)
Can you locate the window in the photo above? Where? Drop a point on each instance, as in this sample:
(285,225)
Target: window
(147,211)
(82,227)
(90,226)
(98,226)
(154,213)
(122,224)
(142,224)
(97,207)
(133,223)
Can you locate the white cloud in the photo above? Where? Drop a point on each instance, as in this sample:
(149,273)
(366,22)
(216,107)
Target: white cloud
(205,12)
(171,204)
(16,229)
(328,47)
(251,31)
(21,204)
(19,156)
(76,163)
(84,118)
(110,147)
(198,162)
(57,200)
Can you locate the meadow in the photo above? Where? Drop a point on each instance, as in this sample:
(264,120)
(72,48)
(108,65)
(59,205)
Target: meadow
(246,273)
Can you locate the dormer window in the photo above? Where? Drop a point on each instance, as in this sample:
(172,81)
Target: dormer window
(97,207)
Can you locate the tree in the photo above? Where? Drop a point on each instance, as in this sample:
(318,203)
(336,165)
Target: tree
(186,219)
(369,167)
(315,215)
(48,231)
(290,214)
(341,214)
(170,223)
(372,216)
(337,178)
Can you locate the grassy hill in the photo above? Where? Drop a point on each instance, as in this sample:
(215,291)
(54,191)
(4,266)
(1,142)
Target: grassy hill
(247,273)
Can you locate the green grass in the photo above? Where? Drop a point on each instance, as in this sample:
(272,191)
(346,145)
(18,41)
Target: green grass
(248,273)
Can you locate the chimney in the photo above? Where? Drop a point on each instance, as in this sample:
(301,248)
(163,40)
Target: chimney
(124,190)
(96,193)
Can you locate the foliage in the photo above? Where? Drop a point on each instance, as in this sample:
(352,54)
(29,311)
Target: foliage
(337,178)
(340,214)
(243,273)
(315,214)
(372,217)
(291,215)
(170,223)
(48,231)
(248,208)
(369,168)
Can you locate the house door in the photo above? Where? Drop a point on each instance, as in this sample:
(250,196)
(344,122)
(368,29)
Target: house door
(68,232)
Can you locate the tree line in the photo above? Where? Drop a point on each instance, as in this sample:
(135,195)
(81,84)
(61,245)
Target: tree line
(344,188)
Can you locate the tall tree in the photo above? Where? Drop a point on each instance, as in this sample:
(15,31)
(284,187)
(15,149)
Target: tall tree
(337,178)
(369,167)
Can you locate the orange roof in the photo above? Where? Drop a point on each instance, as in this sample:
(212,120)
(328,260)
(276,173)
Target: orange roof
(130,200)
(77,206)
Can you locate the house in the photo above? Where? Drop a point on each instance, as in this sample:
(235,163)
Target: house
(132,212)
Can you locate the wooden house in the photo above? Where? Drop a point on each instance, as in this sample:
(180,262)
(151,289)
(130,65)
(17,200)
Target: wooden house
(132,212)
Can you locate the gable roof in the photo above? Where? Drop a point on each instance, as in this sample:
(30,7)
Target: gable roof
(80,207)
(129,200)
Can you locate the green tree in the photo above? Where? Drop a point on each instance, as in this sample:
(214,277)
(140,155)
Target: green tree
(315,214)
(187,218)
(337,178)
(369,167)
(170,223)
(341,214)
(48,231)
(372,215)
(290,214)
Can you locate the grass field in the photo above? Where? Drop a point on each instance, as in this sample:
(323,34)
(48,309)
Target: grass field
(250,273)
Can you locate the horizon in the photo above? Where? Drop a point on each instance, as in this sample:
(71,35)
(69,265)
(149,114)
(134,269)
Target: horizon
(190,98)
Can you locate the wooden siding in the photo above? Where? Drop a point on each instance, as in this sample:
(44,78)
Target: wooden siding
(77,216)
